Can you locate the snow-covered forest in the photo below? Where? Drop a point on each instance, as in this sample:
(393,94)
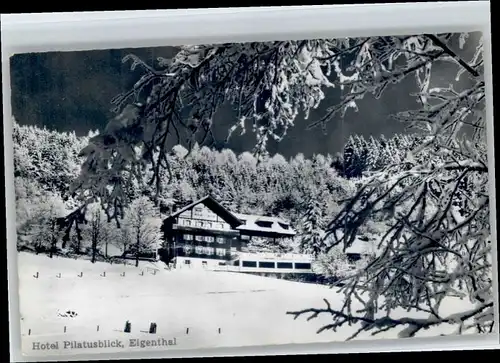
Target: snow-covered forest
(303,191)
(422,196)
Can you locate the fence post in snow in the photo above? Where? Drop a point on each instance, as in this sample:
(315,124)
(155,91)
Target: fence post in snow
(128,327)
(81,274)
(152,328)
(187,330)
(58,275)
(36,275)
(219,330)
(29,331)
(98,328)
(122,274)
(103,274)
(65,328)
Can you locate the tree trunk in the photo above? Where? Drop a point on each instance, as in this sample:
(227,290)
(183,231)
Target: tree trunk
(137,244)
(65,241)
(96,235)
(53,239)
(93,252)
(78,238)
(106,249)
(94,248)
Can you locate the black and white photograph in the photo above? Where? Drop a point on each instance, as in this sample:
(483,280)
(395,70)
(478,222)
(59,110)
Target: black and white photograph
(252,194)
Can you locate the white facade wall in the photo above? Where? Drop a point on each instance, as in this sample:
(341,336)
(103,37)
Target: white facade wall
(200,216)
(184,263)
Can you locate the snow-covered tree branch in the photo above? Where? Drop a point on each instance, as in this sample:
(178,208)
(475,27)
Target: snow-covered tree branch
(436,243)
(267,83)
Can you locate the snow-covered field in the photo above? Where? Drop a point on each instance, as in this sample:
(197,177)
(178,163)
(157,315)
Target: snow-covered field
(188,305)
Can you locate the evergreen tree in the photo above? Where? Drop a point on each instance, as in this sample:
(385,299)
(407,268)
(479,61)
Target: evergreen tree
(373,157)
(312,232)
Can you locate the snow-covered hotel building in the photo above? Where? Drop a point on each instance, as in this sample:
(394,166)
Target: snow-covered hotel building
(205,234)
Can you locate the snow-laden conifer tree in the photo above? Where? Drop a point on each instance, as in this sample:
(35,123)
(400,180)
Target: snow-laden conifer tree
(312,226)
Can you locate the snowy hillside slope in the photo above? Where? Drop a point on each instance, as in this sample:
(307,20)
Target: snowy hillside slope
(190,306)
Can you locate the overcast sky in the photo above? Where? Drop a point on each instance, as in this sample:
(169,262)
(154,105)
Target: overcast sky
(69,91)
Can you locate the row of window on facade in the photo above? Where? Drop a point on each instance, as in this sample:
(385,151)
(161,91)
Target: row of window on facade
(202,224)
(283,265)
(266,264)
(209,239)
(201,250)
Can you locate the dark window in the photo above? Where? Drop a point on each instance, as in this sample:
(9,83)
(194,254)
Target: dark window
(285,265)
(353,257)
(264,224)
(266,264)
(249,264)
(222,264)
(187,262)
(236,263)
(303,266)
(283,225)
(203,262)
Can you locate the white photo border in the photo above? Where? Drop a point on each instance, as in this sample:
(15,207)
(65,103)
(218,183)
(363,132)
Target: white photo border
(22,33)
